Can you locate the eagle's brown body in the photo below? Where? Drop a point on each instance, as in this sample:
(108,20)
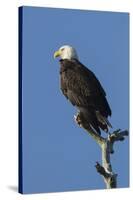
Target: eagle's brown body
(84,91)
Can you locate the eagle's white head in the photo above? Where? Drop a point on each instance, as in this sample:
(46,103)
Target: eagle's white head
(66,52)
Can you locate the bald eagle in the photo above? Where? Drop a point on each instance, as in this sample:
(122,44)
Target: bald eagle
(81,87)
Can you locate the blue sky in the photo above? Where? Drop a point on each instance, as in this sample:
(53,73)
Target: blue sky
(57,154)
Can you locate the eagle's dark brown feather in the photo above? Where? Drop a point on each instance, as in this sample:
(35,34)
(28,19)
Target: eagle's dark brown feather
(84,90)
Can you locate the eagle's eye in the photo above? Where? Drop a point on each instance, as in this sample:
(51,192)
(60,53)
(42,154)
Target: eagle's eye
(62,49)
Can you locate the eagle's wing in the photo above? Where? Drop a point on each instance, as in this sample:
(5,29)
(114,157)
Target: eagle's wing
(82,88)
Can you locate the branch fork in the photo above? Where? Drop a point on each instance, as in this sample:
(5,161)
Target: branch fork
(107,148)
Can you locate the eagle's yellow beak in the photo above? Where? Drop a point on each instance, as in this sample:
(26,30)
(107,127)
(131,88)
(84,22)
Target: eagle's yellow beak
(57,53)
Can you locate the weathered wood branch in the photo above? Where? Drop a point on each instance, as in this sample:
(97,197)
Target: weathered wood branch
(107,148)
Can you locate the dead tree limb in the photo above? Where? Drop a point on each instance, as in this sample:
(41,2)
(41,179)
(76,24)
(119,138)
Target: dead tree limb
(107,148)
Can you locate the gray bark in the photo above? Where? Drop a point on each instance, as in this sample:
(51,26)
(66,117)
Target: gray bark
(106,145)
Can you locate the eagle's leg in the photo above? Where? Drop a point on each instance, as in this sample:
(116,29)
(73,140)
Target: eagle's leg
(80,120)
(83,123)
(77,119)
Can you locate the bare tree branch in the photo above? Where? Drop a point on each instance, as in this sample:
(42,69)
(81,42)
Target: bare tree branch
(106,144)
